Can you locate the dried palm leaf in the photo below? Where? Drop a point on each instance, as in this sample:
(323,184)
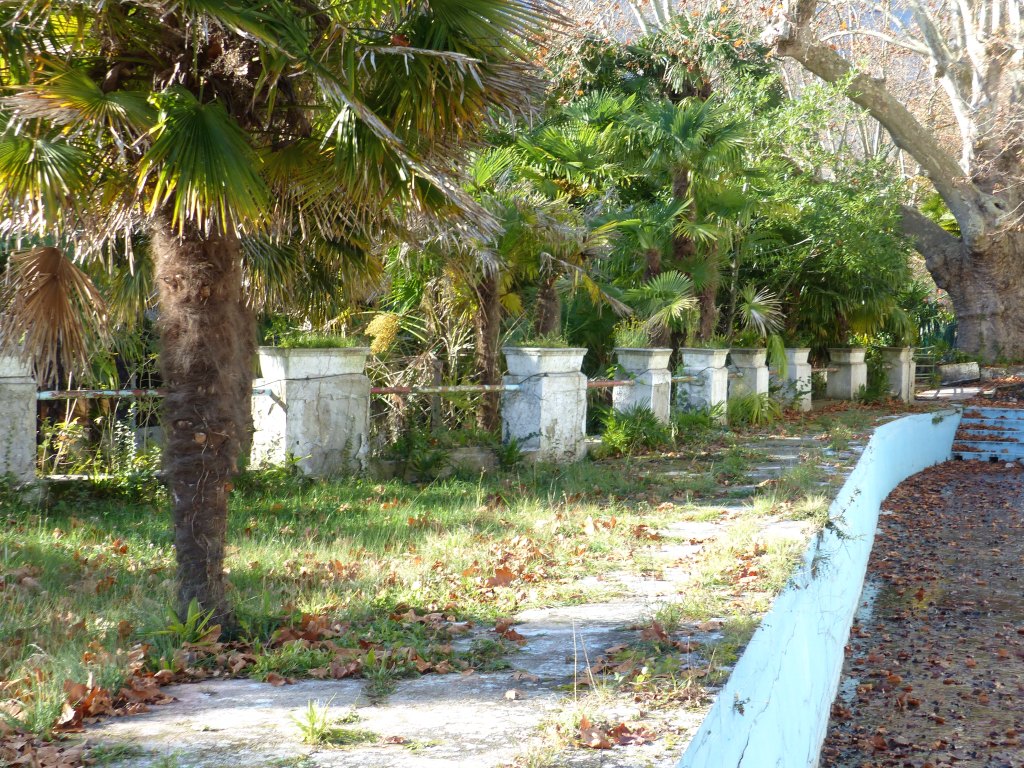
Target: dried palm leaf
(53,310)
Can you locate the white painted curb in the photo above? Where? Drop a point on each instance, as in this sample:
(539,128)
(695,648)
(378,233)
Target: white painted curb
(774,710)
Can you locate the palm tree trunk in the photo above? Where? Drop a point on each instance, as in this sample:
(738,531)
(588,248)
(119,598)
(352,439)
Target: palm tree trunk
(207,345)
(683,250)
(549,308)
(488,333)
(653,263)
(708,311)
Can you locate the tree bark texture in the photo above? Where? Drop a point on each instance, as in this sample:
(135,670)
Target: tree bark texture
(986,288)
(549,307)
(208,344)
(488,336)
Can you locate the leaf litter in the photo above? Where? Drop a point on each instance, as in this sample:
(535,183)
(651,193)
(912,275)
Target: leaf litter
(934,677)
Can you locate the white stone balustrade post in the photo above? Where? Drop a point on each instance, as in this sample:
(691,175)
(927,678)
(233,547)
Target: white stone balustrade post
(901,368)
(652,381)
(315,410)
(710,387)
(796,384)
(752,378)
(17,420)
(850,375)
(547,412)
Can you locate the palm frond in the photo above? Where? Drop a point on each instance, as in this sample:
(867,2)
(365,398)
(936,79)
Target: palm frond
(69,97)
(202,164)
(665,301)
(53,310)
(760,310)
(43,180)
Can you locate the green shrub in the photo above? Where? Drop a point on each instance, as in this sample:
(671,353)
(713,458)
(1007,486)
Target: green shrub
(543,341)
(421,454)
(310,340)
(696,421)
(632,333)
(877,388)
(753,410)
(510,453)
(634,430)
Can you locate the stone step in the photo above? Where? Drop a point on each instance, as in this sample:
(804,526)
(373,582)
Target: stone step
(1005,414)
(988,451)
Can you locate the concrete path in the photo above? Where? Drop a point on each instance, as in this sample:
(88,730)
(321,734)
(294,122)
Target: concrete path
(480,720)
(934,674)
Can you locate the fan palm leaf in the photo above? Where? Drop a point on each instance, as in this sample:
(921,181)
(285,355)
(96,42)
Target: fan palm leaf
(54,306)
(666,301)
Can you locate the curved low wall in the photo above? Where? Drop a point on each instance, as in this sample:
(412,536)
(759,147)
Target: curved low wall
(774,709)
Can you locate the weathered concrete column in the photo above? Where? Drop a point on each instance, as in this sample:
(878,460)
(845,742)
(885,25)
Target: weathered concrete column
(753,373)
(900,367)
(652,381)
(711,387)
(796,384)
(850,375)
(17,419)
(315,409)
(547,413)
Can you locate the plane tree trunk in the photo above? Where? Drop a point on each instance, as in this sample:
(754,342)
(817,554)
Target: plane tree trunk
(207,348)
(985,284)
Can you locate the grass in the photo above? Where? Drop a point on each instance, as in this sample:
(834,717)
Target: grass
(87,572)
(87,577)
(107,754)
(318,727)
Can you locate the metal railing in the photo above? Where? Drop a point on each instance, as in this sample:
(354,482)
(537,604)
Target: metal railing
(99,394)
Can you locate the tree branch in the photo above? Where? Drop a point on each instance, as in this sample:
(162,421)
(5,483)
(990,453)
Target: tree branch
(909,45)
(791,37)
(942,251)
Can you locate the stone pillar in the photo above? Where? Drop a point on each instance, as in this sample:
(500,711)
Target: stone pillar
(652,381)
(315,410)
(795,386)
(850,375)
(900,367)
(547,414)
(17,420)
(753,373)
(711,387)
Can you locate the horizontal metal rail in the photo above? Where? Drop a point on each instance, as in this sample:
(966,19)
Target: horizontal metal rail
(441,390)
(97,394)
(100,394)
(700,379)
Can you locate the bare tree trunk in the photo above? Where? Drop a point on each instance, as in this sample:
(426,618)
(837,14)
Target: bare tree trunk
(549,308)
(986,288)
(207,345)
(488,335)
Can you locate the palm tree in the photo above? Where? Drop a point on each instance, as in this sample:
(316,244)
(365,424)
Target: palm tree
(539,242)
(208,125)
(699,146)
